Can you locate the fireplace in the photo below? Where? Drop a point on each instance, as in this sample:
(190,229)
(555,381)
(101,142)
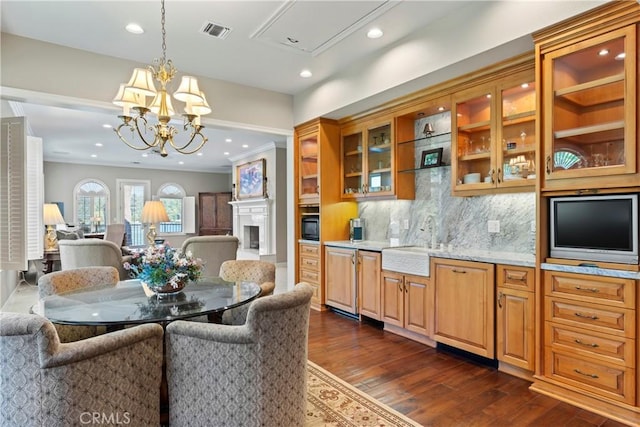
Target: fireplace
(253,226)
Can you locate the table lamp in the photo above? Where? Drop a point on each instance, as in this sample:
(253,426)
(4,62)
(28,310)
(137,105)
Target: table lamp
(153,212)
(51,216)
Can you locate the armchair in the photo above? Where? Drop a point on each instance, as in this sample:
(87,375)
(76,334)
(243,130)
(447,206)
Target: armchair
(92,253)
(44,383)
(213,250)
(247,375)
(261,272)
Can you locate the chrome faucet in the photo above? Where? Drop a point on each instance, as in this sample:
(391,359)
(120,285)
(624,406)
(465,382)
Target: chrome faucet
(430,223)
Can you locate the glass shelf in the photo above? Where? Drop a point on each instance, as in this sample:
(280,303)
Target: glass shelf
(424,138)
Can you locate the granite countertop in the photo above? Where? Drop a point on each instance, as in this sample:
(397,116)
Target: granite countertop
(366,245)
(595,271)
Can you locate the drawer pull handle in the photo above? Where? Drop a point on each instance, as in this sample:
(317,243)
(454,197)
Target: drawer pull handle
(455,270)
(594,290)
(587,316)
(510,277)
(592,345)
(578,371)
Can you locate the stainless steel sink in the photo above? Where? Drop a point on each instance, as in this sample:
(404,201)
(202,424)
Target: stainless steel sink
(407,260)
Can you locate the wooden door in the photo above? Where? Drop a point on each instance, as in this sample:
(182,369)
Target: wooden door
(418,305)
(392,287)
(215,214)
(340,274)
(515,318)
(369,283)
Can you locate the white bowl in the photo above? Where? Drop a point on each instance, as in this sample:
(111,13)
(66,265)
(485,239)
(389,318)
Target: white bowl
(471,178)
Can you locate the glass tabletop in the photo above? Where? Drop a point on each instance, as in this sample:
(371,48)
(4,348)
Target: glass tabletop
(126,303)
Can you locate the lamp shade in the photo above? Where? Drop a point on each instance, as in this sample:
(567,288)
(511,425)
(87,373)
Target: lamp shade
(128,97)
(142,82)
(188,91)
(51,214)
(153,212)
(199,108)
(161,105)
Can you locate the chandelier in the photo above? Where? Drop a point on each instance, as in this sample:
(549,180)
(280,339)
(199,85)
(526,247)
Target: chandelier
(133,96)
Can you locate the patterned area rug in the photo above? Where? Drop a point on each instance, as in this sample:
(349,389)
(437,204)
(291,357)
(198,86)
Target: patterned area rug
(332,402)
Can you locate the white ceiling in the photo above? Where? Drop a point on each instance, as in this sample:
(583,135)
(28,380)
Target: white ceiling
(328,36)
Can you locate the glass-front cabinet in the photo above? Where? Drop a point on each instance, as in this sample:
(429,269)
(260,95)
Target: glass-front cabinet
(308,168)
(590,111)
(494,141)
(367,160)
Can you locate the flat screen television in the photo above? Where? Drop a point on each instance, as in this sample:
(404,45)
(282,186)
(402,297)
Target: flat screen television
(595,228)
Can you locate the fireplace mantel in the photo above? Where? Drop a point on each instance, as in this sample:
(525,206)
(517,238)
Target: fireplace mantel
(253,213)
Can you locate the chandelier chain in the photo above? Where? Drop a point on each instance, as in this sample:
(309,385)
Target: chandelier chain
(164,34)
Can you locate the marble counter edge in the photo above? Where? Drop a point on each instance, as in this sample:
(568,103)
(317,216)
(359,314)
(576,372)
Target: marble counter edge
(492,257)
(308,242)
(594,271)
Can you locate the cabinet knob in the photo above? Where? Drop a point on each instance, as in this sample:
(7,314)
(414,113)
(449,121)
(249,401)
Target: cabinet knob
(500,295)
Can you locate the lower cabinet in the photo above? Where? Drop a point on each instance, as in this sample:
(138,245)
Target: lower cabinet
(464,305)
(340,278)
(515,316)
(369,266)
(309,267)
(407,302)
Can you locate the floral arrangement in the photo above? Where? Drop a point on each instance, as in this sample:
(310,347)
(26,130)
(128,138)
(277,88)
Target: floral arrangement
(160,265)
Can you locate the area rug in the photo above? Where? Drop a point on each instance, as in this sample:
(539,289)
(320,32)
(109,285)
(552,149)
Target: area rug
(333,403)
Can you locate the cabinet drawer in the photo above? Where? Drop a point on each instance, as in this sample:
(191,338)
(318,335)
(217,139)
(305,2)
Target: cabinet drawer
(309,250)
(608,348)
(521,278)
(309,263)
(605,380)
(310,276)
(595,317)
(603,290)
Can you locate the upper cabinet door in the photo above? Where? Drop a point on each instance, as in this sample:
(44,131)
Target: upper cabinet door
(308,168)
(589,90)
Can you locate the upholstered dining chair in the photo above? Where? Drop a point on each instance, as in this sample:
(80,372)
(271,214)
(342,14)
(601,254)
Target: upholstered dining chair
(212,250)
(71,280)
(261,272)
(115,234)
(92,253)
(45,383)
(247,375)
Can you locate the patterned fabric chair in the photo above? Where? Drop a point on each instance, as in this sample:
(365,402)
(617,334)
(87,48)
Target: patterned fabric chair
(213,250)
(45,383)
(246,375)
(74,279)
(261,272)
(92,253)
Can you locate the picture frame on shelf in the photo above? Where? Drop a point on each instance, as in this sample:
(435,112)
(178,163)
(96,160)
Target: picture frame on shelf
(431,158)
(251,178)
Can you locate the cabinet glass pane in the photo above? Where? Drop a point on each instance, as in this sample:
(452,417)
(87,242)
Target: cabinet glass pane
(309,166)
(379,159)
(474,137)
(352,163)
(589,106)
(518,132)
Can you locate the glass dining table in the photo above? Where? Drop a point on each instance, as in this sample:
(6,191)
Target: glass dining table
(126,303)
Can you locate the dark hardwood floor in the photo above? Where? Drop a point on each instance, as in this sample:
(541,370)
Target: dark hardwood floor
(433,387)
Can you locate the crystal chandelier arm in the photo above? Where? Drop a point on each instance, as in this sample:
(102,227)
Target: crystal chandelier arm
(132,123)
(194,133)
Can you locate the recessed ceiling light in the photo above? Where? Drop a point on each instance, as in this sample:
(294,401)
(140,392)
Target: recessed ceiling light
(226,153)
(181,162)
(305,74)
(524,85)
(245,146)
(488,95)
(98,144)
(228,140)
(134,28)
(603,52)
(621,56)
(440,108)
(94,155)
(107,126)
(199,154)
(374,33)
(145,154)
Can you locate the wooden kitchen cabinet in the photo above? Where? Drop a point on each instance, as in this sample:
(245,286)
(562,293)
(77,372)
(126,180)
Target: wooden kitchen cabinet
(309,267)
(369,274)
(494,134)
(407,305)
(215,214)
(340,278)
(464,305)
(515,317)
(589,101)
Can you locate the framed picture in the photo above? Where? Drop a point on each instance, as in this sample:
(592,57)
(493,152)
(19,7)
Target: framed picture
(251,179)
(431,158)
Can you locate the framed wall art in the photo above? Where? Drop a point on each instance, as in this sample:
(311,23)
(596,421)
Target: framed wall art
(431,158)
(251,179)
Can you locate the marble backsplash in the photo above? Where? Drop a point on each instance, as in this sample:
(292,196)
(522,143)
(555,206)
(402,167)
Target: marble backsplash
(461,222)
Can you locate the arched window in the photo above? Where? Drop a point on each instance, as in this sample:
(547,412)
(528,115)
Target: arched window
(171,195)
(91,210)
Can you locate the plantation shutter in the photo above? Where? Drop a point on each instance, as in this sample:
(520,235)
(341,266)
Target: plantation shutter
(189,214)
(35,198)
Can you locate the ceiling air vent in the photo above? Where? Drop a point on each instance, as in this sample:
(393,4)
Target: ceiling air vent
(216,30)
